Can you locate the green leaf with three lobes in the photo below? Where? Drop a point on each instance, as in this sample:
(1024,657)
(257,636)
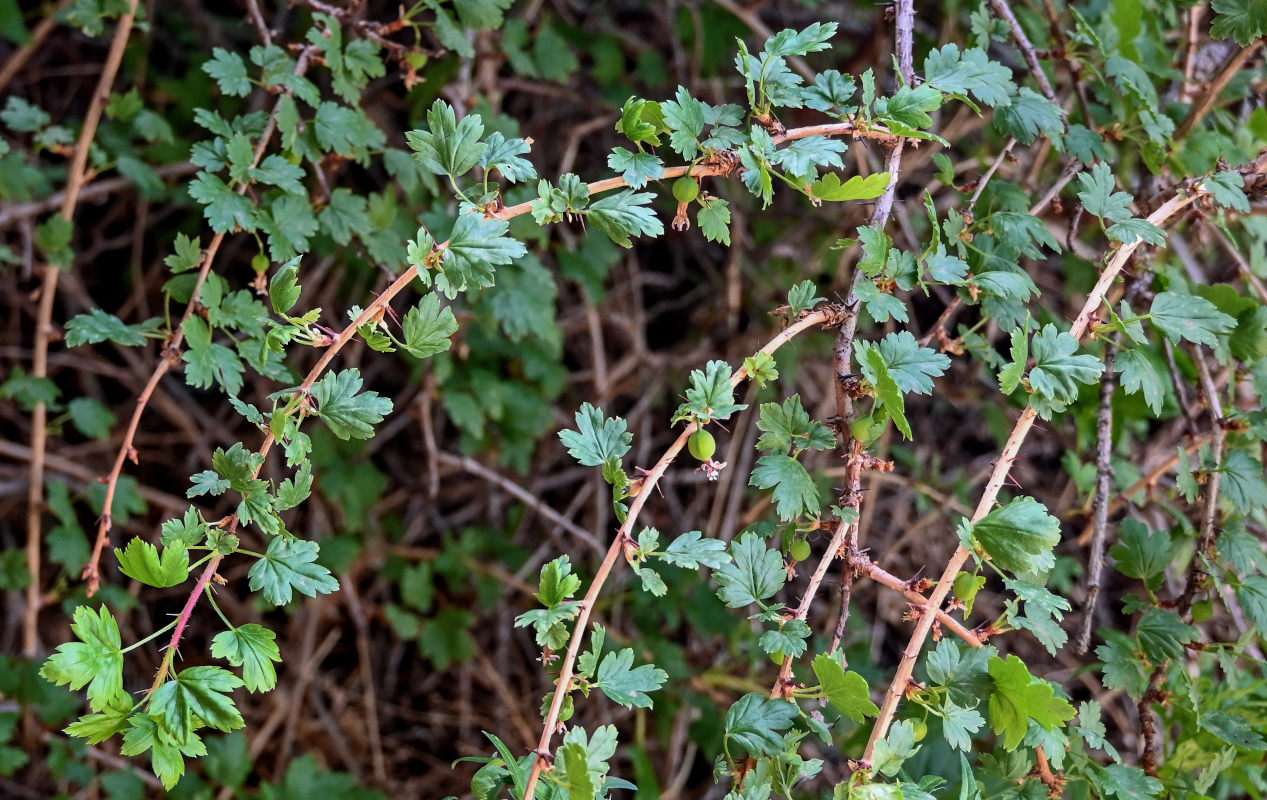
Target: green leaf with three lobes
(911,366)
(754,573)
(628,687)
(141,561)
(428,328)
(113,719)
(754,725)
(349,413)
(476,245)
(253,648)
(95,661)
(847,691)
(1019,536)
(794,491)
(448,147)
(97,326)
(194,697)
(558,583)
(1057,372)
(625,214)
(1185,316)
(287,567)
(1019,697)
(711,396)
(1142,553)
(789,426)
(597,441)
(692,551)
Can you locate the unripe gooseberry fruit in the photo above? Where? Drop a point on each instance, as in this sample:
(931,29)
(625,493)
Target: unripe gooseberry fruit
(260,262)
(702,445)
(685,189)
(865,429)
(1202,610)
(799,550)
(921,729)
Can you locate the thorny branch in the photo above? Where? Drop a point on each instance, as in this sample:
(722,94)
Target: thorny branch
(44,325)
(999,476)
(170,357)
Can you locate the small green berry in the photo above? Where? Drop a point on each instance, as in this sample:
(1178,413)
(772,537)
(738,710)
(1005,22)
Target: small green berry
(260,262)
(921,729)
(702,445)
(800,550)
(685,189)
(1202,610)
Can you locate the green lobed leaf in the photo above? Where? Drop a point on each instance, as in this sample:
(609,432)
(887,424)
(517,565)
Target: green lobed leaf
(692,550)
(1019,697)
(476,246)
(1186,316)
(194,697)
(287,567)
(710,396)
(754,573)
(448,147)
(1142,553)
(636,168)
(714,219)
(597,440)
(97,326)
(625,214)
(789,426)
(428,327)
(95,661)
(1019,536)
(1138,375)
(846,691)
(253,648)
(754,725)
(229,72)
(794,491)
(628,687)
(141,561)
(349,412)
(1161,635)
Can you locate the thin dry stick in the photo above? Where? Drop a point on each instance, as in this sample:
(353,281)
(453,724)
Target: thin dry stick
(20,212)
(989,173)
(1196,573)
(1247,272)
(170,358)
(23,54)
(44,326)
(1022,41)
(1190,59)
(1100,506)
(1145,482)
(1071,63)
(999,476)
(1206,101)
(845,535)
(468,464)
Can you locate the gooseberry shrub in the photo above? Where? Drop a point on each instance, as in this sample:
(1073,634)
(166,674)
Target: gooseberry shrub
(1046,228)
